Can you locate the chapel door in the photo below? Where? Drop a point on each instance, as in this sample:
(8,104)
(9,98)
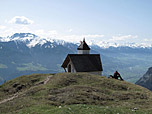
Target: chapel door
(69,68)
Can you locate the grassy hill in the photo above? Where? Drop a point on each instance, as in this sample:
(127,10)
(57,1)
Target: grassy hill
(77,93)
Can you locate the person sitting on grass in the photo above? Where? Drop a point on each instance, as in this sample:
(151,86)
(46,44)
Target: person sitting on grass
(117,75)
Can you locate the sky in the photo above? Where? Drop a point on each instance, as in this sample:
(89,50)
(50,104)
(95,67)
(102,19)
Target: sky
(119,21)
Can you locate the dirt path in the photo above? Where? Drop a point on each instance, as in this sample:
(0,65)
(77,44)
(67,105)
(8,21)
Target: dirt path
(20,93)
(47,79)
(10,98)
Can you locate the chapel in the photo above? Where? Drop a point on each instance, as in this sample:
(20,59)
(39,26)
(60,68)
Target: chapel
(83,61)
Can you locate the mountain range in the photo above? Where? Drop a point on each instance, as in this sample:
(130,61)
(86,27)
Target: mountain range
(27,53)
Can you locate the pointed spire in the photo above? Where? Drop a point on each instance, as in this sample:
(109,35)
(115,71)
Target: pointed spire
(83,46)
(84,39)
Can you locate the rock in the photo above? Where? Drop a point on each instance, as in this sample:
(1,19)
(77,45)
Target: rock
(146,80)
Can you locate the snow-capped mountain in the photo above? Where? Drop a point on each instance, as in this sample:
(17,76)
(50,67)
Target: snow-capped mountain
(32,40)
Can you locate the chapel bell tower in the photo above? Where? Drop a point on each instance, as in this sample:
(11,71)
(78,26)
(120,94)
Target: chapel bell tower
(83,48)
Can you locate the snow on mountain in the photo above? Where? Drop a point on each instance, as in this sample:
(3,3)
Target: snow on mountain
(104,44)
(32,40)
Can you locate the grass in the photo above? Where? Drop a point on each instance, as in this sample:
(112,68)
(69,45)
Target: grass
(3,66)
(20,84)
(81,109)
(77,93)
(31,67)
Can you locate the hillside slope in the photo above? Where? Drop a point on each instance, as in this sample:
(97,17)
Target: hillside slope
(146,80)
(72,93)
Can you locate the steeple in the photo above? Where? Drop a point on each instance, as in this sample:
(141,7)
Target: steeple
(83,48)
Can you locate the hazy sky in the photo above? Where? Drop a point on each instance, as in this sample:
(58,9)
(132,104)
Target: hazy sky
(109,20)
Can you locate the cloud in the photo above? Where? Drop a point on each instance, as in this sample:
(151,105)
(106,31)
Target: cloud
(2,27)
(9,30)
(122,38)
(147,39)
(52,32)
(44,33)
(21,20)
(70,30)
(84,36)
(94,36)
(77,38)
(39,32)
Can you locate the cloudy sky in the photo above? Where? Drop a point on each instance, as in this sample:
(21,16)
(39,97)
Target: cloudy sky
(71,20)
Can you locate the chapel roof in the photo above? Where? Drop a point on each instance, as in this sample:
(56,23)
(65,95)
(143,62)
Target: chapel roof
(84,62)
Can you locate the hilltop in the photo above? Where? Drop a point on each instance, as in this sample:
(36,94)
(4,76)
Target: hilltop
(72,93)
